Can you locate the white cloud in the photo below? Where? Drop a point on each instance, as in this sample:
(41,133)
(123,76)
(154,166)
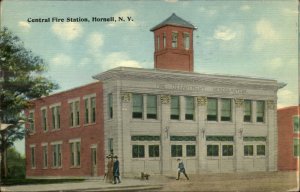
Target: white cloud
(286,98)
(224,33)
(266,34)
(208,12)
(245,8)
(290,12)
(67,31)
(24,25)
(274,63)
(84,61)
(95,41)
(117,59)
(171,1)
(61,60)
(125,14)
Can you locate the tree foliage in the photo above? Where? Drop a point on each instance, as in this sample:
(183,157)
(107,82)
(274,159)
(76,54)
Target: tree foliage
(15,164)
(21,80)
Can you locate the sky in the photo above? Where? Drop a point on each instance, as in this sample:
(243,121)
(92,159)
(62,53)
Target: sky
(256,38)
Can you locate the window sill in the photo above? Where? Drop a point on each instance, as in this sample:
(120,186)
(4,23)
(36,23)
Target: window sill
(249,157)
(33,168)
(74,127)
(56,167)
(75,167)
(89,124)
(54,130)
(44,168)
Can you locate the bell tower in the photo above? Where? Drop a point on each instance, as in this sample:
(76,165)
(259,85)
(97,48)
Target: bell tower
(173,41)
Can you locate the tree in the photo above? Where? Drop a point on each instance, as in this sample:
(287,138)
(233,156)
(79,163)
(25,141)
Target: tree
(15,164)
(21,80)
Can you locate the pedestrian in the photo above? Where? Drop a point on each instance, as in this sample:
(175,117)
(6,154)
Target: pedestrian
(109,173)
(181,169)
(116,170)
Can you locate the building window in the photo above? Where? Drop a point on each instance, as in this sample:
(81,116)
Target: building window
(151,106)
(186,40)
(248,150)
(227,150)
(137,108)
(296,147)
(260,111)
(153,150)
(176,150)
(164,40)
(32,156)
(44,119)
(45,156)
(138,151)
(74,113)
(226,110)
(189,108)
(247,111)
(31,122)
(90,110)
(157,43)
(212,109)
(56,155)
(296,124)
(212,150)
(260,150)
(190,150)
(75,153)
(174,39)
(55,117)
(110,106)
(110,145)
(175,108)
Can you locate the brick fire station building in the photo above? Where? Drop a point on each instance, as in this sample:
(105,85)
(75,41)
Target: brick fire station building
(288,138)
(151,117)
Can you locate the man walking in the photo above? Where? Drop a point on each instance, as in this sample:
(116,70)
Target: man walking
(181,169)
(116,171)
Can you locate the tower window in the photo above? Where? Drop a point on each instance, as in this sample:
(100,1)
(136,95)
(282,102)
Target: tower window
(157,43)
(186,40)
(164,40)
(174,39)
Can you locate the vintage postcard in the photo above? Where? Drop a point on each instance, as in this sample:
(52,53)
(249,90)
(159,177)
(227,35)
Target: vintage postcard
(167,95)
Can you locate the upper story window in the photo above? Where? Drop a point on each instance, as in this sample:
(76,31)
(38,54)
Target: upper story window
(55,111)
(151,106)
(247,111)
(110,106)
(137,106)
(212,109)
(174,39)
(44,119)
(189,108)
(175,107)
(164,40)
(296,124)
(260,111)
(226,110)
(31,122)
(74,113)
(186,40)
(89,109)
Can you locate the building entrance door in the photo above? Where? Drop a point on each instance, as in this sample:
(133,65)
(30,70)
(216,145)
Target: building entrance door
(220,157)
(94,161)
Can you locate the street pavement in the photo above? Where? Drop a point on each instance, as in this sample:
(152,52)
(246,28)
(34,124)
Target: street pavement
(127,184)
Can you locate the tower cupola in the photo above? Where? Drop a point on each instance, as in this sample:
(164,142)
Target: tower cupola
(173,40)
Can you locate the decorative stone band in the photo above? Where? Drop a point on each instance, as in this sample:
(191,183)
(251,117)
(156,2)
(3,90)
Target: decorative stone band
(271,104)
(239,102)
(165,99)
(201,100)
(126,97)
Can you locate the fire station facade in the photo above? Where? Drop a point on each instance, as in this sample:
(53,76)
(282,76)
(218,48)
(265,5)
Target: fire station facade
(152,117)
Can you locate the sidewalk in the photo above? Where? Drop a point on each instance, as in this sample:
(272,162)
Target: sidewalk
(127,184)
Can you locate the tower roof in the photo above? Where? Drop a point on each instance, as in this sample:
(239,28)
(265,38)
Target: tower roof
(175,21)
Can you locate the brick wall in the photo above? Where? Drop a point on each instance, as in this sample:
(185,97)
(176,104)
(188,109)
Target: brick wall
(89,134)
(286,159)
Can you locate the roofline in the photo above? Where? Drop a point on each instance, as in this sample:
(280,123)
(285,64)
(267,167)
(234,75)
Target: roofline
(289,107)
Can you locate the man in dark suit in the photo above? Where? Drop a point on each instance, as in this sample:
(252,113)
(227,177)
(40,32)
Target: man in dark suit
(116,171)
(181,169)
